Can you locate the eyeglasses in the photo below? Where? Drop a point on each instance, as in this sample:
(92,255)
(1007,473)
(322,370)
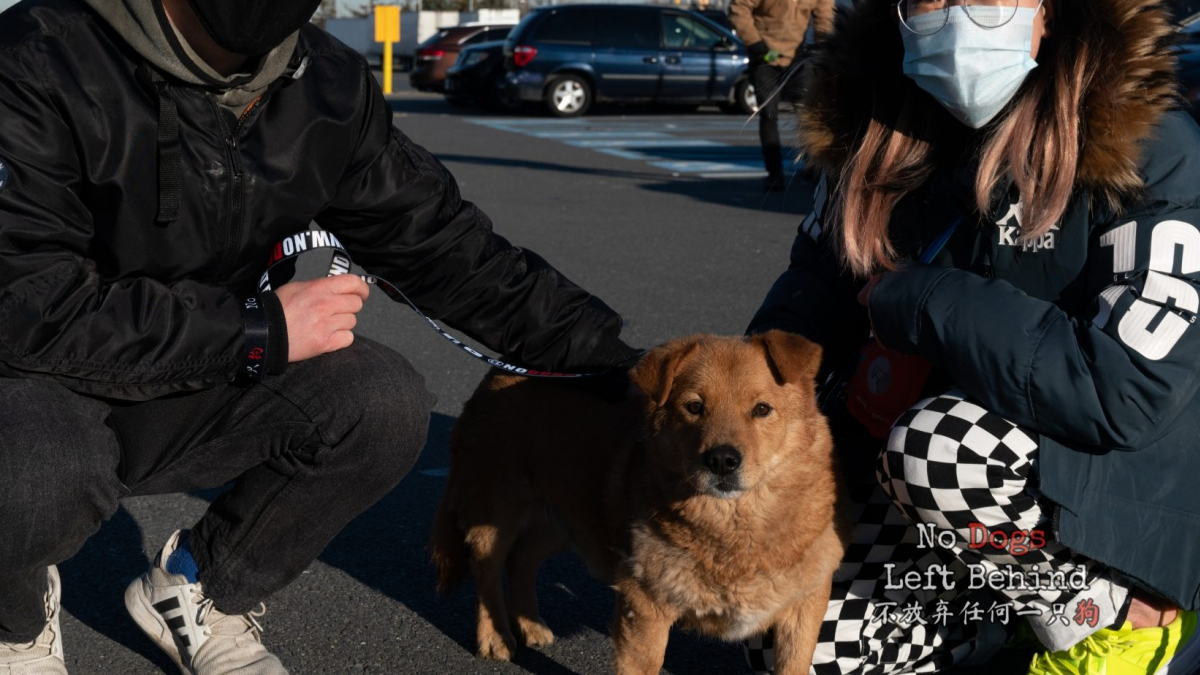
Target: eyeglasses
(926,17)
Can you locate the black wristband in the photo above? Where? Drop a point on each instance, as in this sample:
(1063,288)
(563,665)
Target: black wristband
(277,334)
(254,346)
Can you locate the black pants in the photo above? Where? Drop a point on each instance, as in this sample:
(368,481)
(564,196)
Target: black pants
(307,451)
(766,80)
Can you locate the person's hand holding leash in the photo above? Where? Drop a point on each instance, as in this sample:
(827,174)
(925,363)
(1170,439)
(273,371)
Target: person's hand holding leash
(321,314)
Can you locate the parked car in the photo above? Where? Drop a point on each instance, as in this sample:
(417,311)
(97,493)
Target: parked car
(1189,60)
(478,77)
(568,57)
(435,55)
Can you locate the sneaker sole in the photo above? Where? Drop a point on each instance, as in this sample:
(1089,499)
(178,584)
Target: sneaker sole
(1186,661)
(137,603)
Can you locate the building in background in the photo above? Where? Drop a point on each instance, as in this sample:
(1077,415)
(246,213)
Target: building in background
(415,28)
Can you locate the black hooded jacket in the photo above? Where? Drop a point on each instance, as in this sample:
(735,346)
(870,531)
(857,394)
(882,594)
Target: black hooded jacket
(138,212)
(1085,335)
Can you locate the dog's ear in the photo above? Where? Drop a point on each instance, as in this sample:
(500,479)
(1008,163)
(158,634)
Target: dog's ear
(791,357)
(656,370)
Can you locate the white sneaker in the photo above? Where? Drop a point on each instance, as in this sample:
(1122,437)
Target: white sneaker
(43,656)
(200,639)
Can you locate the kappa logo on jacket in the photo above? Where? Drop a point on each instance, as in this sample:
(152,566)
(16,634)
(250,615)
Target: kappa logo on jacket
(3,175)
(1010,235)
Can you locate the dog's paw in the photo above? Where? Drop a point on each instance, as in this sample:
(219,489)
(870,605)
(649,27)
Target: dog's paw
(497,647)
(535,633)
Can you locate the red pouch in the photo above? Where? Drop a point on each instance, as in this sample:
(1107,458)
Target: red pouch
(885,384)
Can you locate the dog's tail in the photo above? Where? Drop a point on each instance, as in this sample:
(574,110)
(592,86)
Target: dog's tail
(448,546)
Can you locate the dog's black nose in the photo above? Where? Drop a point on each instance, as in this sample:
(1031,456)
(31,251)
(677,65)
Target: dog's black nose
(722,460)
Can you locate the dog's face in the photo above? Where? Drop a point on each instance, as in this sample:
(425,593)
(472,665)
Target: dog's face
(725,413)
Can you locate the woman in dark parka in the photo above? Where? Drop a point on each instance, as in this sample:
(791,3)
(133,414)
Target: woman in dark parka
(1010,203)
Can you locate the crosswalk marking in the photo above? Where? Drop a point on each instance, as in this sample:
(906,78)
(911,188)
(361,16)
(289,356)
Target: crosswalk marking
(693,147)
(645,143)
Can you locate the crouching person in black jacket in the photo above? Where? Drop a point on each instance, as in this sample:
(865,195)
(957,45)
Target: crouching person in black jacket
(151,153)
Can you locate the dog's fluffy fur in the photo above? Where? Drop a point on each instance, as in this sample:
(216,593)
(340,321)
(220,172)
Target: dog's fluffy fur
(536,468)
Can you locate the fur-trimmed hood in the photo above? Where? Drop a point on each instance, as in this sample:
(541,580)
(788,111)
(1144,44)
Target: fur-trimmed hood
(857,73)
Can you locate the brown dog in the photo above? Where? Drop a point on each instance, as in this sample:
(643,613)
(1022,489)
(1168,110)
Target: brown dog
(710,503)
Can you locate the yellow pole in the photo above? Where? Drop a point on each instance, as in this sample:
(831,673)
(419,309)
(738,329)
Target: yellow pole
(387,31)
(387,67)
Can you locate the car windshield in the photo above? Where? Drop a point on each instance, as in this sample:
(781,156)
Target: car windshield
(435,38)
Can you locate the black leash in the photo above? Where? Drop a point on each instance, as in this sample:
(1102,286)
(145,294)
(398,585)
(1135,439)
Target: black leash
(282,267)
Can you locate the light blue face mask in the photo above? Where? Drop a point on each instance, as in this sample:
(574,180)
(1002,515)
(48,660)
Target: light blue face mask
(971,70)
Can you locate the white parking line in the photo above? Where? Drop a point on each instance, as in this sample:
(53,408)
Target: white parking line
(662,144)
(665,142)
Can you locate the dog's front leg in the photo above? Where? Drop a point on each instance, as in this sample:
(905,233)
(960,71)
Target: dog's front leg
(640,631)
(797,631)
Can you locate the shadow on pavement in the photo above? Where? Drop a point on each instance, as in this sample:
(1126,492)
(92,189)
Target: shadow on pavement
(385,549)
(745,193)
(736,192)
(98,599)
(540,664)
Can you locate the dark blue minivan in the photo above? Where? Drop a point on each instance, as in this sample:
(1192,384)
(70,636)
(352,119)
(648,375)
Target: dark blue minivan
(571,56)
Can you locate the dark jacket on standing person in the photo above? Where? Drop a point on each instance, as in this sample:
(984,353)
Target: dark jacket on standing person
(1085,335)
(139,209)
(779,25)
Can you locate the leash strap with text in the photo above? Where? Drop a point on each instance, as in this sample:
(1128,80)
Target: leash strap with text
(282,267)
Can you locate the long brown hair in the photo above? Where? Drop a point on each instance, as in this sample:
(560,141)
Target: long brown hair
(1038,139)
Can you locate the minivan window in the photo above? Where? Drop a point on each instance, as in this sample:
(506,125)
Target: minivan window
(521,29)
(684,32)
(626,29)
(570,27)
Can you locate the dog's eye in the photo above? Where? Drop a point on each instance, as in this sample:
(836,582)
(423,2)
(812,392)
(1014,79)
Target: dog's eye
(695,407)
(762,410)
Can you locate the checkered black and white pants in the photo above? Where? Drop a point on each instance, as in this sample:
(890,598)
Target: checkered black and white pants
(912,594)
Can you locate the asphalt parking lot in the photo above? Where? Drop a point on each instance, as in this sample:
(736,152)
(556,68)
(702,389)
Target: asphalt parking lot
(661,215)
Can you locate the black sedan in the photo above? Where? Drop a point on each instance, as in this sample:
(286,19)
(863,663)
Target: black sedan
(478,78)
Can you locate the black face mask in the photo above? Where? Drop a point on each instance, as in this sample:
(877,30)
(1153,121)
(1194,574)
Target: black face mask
(253,27)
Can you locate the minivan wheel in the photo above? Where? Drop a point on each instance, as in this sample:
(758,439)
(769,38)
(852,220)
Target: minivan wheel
(568,96)
(744,101)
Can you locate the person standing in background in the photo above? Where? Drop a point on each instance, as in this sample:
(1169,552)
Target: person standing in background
(774,31)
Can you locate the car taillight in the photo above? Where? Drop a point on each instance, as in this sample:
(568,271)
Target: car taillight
(429,54)
(522,55)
